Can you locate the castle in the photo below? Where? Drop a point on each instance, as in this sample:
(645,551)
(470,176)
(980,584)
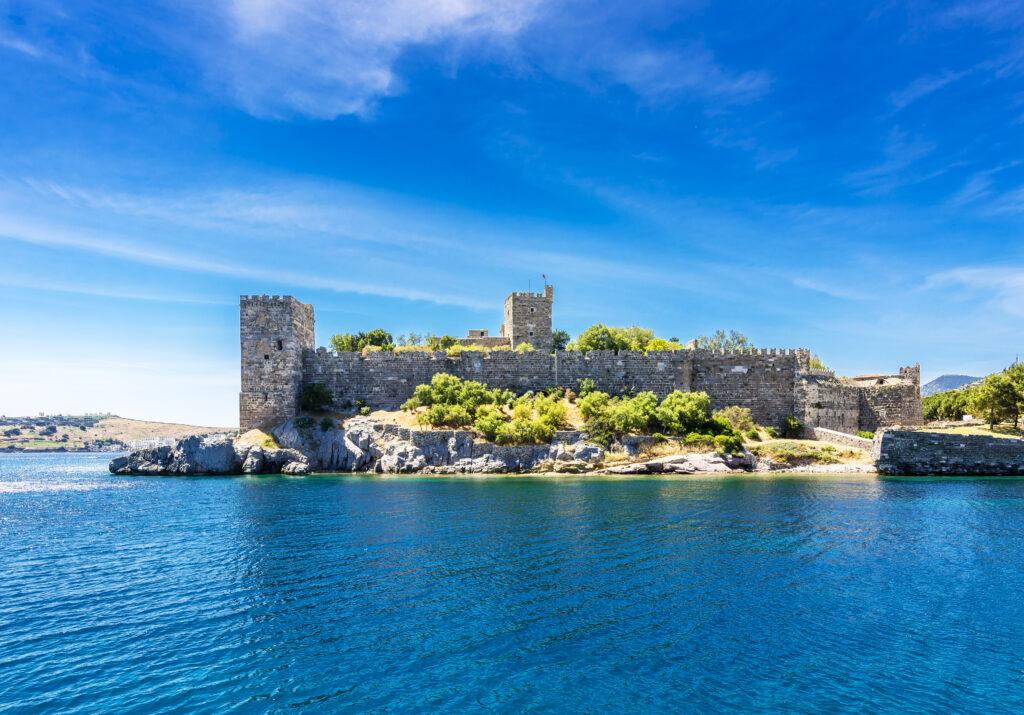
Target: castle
(279,356)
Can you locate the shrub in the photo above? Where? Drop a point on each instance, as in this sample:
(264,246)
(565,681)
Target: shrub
(522,409)
(728,444)
(593,404)
(488,421)
(684,412)
(364,410)
(659,438)
(444,415)
(754,435)
(866,435)
(550,411)
(791,428)
(524,348)
(315,397)
(634,415)
(584,386)
(524,432)
(304,423)
(738,417)
(326,423)
(772,432)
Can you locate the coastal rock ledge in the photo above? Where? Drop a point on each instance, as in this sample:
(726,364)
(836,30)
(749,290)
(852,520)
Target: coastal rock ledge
(210,455)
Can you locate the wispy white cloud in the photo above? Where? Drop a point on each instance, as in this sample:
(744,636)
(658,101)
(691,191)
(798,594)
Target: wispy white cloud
(1001,287)
(19,45)
(922,87)
(130,249)
(661,75)
(101,291)
(322,59)
(900,154)
(996,14)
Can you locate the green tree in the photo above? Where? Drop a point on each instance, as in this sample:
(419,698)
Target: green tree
(315,397)
(997,399)
(354,342)
(602,337)
(559,340)
(722,341)
(684,412)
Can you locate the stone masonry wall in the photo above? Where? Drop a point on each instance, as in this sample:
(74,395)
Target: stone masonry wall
(824,401)
(762,381)
(907,452)
(278,357)
(527,313)
(888,405)
(274,331)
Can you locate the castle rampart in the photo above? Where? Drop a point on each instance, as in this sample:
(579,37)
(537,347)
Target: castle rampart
(278,357)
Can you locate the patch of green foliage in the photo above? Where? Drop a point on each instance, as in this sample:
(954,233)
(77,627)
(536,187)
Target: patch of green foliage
(772,432)
(722,341)
(754,435)
(584,386)
(524,348)
(791,427)
(795,453)
(866,435)
(326,423)
(315,397)
(304,423)
(559,340)
(355,342)
(739,418)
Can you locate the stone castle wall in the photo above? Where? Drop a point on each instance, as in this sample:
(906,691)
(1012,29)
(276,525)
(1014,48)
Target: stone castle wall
(762,380)
(275,332)
(278,357)
(906,452)
(528,318)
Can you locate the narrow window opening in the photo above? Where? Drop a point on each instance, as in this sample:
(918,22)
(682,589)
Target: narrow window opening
(280,346)
(531,333)
(266,357)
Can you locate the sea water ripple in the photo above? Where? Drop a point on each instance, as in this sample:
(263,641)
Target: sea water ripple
(346,593)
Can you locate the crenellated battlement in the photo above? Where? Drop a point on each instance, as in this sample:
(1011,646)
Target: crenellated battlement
(279,357)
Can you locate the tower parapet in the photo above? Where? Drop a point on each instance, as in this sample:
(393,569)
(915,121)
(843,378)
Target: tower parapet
(275,330)
(528,318)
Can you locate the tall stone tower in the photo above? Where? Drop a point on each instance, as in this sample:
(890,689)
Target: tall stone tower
(528,318)
(274,333)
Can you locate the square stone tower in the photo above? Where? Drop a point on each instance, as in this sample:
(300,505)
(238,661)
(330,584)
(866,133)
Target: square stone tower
(274,333)
(528,318)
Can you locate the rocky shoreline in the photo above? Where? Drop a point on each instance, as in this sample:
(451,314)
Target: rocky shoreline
(366,445)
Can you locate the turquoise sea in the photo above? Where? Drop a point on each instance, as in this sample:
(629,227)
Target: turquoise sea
(346,593)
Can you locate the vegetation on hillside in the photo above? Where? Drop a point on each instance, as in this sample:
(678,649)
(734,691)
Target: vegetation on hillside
(532,418)
(999,398)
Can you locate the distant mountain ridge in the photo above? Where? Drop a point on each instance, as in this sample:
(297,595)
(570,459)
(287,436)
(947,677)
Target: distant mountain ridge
(946,382)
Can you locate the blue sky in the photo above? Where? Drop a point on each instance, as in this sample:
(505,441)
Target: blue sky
(843,177)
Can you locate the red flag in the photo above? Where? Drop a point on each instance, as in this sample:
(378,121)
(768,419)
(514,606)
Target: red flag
(543,276)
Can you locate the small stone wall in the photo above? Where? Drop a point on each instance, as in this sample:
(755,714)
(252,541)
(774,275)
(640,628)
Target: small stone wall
(913,453)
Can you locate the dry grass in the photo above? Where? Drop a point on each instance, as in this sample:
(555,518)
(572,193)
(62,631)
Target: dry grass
(1006,431)
(256,436)
(118,429)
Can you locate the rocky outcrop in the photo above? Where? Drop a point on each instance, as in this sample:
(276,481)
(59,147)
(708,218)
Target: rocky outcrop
(366,445)
(691,463)
(210,455)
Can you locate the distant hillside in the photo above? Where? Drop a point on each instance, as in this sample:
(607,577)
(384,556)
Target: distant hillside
(946,382)
(73,433)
